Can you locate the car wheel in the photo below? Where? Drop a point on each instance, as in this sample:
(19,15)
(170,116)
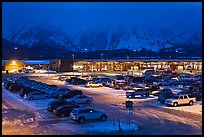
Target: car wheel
(31,98)
(175,104)
(103,118)
(62,115)
(100,86)
(81,120)
(88,102)
(191,103)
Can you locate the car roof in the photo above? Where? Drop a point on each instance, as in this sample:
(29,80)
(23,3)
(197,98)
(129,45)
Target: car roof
(84,108)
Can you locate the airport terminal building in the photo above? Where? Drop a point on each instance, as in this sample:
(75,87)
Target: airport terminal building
(103,65)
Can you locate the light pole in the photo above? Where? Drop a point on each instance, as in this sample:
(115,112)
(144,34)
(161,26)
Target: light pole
(73,63)
(85,51)
(127,57)
(102,56)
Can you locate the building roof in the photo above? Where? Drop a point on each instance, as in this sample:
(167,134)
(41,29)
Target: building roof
(145,60)
(29,62)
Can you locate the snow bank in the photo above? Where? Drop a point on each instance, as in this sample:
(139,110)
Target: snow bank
(97,127)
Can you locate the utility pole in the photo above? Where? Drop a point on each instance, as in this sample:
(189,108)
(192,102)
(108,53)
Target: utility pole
(102,56)
(73,63)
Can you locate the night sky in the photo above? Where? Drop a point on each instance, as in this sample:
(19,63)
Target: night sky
(73,17)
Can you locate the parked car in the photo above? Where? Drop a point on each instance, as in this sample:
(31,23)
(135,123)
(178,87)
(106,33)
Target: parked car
(24,91)
(196,78)
(180,100)
(8,84)
(64,77)
(15,88)
(138,91)
(120,77)
(69,94)
(165,95)
(149,80)
(148,71)
(103,80)
(29,71)
(184,77)
(121,85)
(83,114)
(161,90)
(80,99)
(36,95)
(85,77)
(78,81)
(57,103)
(64,110)
(91,84)
(162,82)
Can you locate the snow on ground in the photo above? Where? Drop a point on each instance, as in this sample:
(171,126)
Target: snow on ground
(120,94)
(195,108)
(71,125)
(34,104)
(101,90)
(97,126)
(112,92)
(143,98)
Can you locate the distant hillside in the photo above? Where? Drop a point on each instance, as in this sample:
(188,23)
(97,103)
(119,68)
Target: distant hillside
(40,41)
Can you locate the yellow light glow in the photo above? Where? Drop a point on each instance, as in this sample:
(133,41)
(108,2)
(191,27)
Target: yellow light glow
(13,62)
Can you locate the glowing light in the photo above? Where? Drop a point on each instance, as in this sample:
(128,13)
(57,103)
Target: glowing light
(13,62)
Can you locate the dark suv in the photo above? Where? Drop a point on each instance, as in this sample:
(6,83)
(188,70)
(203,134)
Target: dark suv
(165,95)
(57,103)
(25,91)
(78,81)
(70,94)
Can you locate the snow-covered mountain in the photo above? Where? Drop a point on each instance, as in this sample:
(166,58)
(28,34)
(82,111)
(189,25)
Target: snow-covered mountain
(137,37)
(46,35)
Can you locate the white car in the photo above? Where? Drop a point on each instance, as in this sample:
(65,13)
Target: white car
(180,100)
(83,114)
(36,95)
(44,71)
(93,84)
(80,99)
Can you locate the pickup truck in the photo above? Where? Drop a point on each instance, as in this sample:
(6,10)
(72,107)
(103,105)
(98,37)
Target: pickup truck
(180,100)
(138,91)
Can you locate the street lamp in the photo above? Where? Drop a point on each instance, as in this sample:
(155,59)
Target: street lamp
(85,52)
(102,56)
(73,63)
(127,57)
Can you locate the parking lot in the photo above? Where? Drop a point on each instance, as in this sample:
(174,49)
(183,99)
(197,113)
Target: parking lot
(148,117)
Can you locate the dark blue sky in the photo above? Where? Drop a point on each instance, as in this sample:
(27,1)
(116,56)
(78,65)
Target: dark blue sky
(76,16)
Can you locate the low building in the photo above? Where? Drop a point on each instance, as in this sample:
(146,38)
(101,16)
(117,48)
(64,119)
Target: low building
(137,64)
(14,65)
